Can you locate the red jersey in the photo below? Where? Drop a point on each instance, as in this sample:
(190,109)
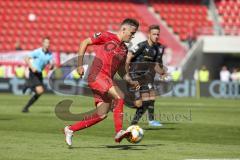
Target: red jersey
(110,55)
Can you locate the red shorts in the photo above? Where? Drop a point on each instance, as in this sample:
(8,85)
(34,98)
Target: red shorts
(100,89)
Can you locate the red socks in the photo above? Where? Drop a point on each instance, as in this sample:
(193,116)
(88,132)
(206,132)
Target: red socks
(118,114)
(89,121)
(95,118)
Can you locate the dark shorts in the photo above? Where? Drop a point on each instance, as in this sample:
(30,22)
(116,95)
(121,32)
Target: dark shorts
(146,85)
(35,79)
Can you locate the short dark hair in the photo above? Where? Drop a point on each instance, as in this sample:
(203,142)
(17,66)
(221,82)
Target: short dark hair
(154,26)
(46,37)
(131,22)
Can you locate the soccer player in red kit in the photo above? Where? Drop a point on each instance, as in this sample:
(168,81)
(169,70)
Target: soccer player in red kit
(110,58)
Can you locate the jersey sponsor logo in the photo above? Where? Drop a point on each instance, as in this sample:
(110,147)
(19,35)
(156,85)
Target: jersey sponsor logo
(110,46)
(113,47)
(146,57)
(96,35)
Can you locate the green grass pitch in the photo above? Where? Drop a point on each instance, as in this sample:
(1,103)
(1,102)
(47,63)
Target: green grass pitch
(193,129)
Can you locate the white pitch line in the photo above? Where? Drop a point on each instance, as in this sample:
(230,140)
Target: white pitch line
(216,159)
(194,104)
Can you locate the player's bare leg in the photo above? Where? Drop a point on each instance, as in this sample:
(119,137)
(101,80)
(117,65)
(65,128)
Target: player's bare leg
(138,103)
(38,92)
(101,113)
(118,97)
(90,119)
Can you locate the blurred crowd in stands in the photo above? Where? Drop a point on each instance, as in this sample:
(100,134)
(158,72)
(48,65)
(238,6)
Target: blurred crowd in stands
(175,73)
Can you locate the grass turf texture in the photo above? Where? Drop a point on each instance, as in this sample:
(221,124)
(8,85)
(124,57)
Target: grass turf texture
(193,128)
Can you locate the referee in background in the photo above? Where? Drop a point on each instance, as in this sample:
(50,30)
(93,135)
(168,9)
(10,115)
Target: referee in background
(37,61)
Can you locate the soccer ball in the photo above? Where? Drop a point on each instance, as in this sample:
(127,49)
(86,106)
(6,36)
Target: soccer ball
(136,134)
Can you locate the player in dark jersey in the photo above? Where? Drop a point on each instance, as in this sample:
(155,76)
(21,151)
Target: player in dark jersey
(109,58)
(143,62)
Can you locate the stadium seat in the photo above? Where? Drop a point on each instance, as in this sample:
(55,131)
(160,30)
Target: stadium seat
(179,16)
(229,12)
(60,20)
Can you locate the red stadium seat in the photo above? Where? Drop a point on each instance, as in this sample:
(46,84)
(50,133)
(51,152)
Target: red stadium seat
(180,16)
(229,11)
(76,20)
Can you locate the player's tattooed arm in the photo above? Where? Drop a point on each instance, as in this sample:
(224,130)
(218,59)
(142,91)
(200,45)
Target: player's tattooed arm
(125,76)
(82,49)
(162,70)
(127,64)
(134,84)
(159,68)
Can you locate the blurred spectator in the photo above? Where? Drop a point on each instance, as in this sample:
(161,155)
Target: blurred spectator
(225,74)
(18,45)
(45,73)
(2,71)
(238,75)
(58,73)
(191,35)
(177,74)
(195,75)
(203,74)
(20,71)
(234,75)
